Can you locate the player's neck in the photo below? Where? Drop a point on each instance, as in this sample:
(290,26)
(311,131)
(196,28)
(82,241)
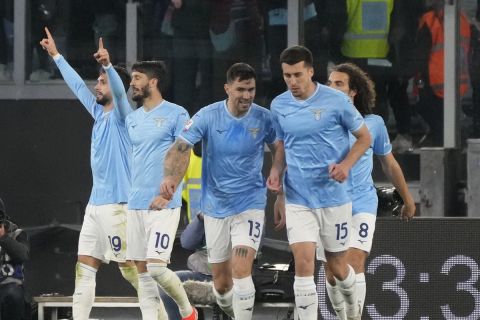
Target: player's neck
(152,101)
(310,91)
(108,107)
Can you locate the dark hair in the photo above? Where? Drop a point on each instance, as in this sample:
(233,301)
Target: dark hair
(153,70)
(240,71)
(124,75)
(359,81)
(296,54)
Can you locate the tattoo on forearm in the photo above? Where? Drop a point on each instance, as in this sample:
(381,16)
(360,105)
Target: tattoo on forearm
(176,160)
(241,252)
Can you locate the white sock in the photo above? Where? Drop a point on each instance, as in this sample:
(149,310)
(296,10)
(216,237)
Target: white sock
(347,288)
(171,284)
(243,298)
(336,298)
(225,301)
(306,298)
(361,287)
(84,294)
(150,303)
(130,274)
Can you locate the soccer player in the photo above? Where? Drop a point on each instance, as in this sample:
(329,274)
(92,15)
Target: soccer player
(313,124)
(233,134)
(355,83)
(103,234)
(152,129)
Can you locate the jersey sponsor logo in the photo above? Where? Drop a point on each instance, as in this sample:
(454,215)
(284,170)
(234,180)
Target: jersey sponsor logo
(188,124)
(160,122)
(220,131)
(317,113)
(254,132)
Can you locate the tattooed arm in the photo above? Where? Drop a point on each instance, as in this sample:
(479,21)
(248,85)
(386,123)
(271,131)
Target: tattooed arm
(174,167)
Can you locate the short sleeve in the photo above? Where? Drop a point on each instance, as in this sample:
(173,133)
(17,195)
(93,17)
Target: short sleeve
(270,132)
(381,143)
(182,121)
(195,128)
(350,117)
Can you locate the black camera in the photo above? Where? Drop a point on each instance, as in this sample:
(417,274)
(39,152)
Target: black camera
(389,202)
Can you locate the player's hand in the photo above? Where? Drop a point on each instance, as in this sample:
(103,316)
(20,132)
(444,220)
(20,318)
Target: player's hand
(159,203)
(102,55)
(168,188)
(279,219)
(408,210)
(3,231)
(177,4)
(274,182)
(48,44)
(338,172)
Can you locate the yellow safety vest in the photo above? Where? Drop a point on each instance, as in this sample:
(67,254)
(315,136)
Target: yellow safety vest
(367,28)
(192,185)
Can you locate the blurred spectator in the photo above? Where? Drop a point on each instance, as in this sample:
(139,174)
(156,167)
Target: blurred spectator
(54,14)
(430,67)
(475,71)
(276,38)
(236,34)
(370,34)
(6,40)
(192,54)
(14,251)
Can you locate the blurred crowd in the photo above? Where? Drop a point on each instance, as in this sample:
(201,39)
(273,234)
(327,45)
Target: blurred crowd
(399,44)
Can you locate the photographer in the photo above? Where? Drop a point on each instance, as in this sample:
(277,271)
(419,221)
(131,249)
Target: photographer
(14,251)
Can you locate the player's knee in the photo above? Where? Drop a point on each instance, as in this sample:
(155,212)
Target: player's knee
(157,270)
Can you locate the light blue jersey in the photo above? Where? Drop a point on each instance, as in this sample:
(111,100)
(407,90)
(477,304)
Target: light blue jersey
(315,133)
(233,150)
(152,133)
(363,192)
(110,151)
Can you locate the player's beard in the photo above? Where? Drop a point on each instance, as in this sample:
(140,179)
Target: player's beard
(103,100)
(141,95)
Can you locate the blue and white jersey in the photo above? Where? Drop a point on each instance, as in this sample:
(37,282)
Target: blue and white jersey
(233,150)
(315,133)
(110,150)
(152,133)
(363,192)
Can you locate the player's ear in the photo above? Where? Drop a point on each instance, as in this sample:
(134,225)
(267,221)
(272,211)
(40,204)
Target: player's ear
(227,88)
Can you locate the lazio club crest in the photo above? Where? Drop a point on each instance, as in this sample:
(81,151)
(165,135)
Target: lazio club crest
(254,132)
(317,113)
(160,122)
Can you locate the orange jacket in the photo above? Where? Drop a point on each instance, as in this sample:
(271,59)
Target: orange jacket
(434,21)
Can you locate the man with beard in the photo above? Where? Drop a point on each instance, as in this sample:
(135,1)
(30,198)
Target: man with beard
(103,234)
(233,134)
(152,129)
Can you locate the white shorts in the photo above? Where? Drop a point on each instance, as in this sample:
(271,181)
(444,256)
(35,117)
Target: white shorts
(151,233)
(363,228)
(104,233)
(243,229)
(328,226)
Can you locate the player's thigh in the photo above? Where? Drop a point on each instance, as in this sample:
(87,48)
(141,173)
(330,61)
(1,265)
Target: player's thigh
(302,223)
(336,227)
(217,236)
(161,229)
(136,235)
(363,229)
(113,222)
(90,242)
(247,228)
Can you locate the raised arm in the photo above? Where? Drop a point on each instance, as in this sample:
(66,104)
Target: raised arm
(71,77)
(394,173)
(120,99)
(339,171)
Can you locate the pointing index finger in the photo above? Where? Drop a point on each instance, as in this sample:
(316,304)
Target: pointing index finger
(100,43)
(49,35)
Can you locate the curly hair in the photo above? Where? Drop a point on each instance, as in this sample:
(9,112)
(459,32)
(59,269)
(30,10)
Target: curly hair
(359,81)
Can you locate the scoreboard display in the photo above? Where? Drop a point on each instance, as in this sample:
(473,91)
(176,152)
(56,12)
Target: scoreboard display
(423,269)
